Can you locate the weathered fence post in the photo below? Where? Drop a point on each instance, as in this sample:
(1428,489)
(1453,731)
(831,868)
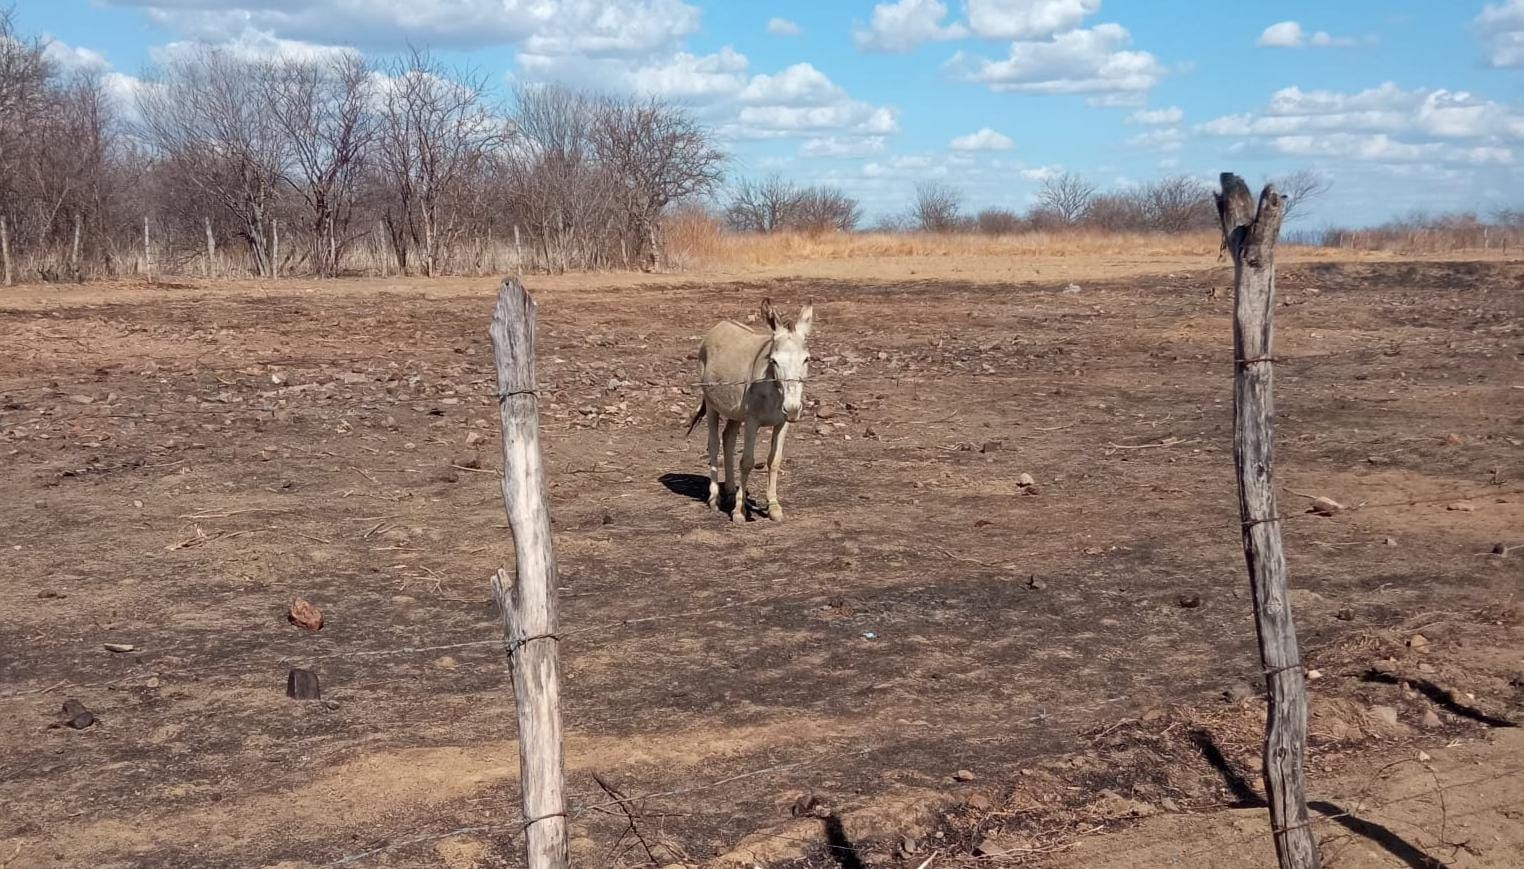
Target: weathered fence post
(5,250)
(528,605)
(1250,234)
(211,248)
(147,251)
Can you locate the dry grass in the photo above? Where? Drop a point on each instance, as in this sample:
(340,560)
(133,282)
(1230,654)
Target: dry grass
(728,249)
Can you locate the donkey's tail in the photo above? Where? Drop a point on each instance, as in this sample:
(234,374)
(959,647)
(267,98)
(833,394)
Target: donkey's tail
(703,408)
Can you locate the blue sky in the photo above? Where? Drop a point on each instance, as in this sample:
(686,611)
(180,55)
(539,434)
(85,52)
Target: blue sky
(1404,104)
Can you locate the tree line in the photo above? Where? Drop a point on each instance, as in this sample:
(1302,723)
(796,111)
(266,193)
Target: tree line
(319,165)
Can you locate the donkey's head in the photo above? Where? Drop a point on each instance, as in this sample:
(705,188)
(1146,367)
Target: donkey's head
(788,359)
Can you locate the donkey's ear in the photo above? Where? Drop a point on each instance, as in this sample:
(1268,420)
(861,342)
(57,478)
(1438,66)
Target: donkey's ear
(770,315)
(806,320)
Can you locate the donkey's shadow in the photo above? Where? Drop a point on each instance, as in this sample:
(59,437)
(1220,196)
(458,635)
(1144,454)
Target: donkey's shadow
(696,487)
(693,486)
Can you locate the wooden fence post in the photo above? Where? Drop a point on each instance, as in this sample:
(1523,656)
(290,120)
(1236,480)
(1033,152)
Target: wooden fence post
(147,251)
(528,605)
(1250,234)
(211,247)
(5,249)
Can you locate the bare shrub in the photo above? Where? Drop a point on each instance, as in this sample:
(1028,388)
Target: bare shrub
(936,207)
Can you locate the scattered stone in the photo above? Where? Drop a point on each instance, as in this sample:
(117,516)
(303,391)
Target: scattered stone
(304,615)
(1169,805)
(446,663)
(1189,601)
(1071,289)
(963,775)
(1462,507)
(1036,584)
(1345,615)
(1431,719)
(1385,714)
(1418,642)
(153,682)
(1379,460)
(1423,757)
(76,716)
(302,685)
(978,802)
(1238,694)
(119,647)
(825,412)
(472,461)
(1025,481)
(992,447)
(1325,507)
(474,438)
(1314,675)
(1390,541)
(1425,667)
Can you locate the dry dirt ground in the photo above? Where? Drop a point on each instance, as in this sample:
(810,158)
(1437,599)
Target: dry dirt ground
(928,661)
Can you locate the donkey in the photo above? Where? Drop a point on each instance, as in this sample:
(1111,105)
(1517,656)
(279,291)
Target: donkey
(756,378)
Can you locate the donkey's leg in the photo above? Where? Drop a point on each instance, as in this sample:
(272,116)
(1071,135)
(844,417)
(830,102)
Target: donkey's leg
(714,460)
(774,460)
(731,427)
(748,451)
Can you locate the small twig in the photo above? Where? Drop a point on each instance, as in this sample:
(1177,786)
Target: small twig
(493,471)
(624,805)
(1167,442)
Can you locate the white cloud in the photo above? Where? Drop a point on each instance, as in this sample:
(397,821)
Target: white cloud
(1430,113)
(782,27)
(1289,34)
(253,45)
(833,146)
(899,27)
(984,140)
(798,85)
(1286,34)
(1385,124)
(1027,19)
(1042,173)
(692,77)
(593,28)
(1156,117)
(848,117)
(1079,61)
(1381,148)
(1164,139)
(1501,28)
(802,100)
(73,58)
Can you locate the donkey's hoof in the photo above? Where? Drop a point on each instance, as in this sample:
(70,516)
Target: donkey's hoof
(738,517)
(775,511)
(714,502)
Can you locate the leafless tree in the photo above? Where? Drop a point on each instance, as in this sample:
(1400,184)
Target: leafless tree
(1067,196)
(1177,204)
(826,209)
(559,192)
(1301,189)
(936,206)
(763,206)
(436,130)
(203,112)
(660,155)
(1117,212)
(998,221)
(323,109)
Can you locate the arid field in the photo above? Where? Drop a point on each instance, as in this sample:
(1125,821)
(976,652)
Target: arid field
(934,658)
